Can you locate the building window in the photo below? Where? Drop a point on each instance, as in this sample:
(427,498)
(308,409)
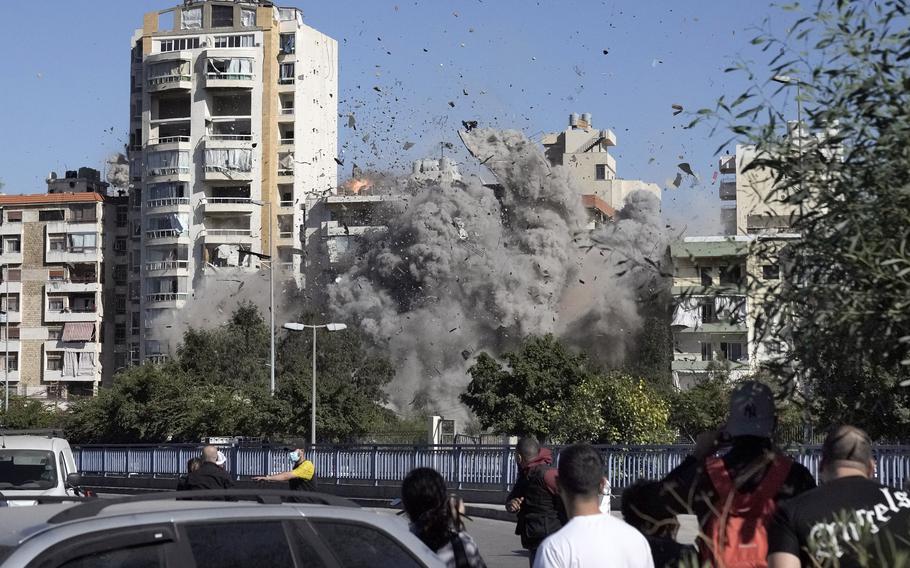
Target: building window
(122,215)
(56,242)
(288,43)
(708,311)
(191,18)
(13,332)
(178,44)
(120,361)
(55,333)
(222,16)
(56,304)
(83,213)
(14,216)
(55,361)
(706,278)
(707,352)
(734,351)
(120,333)
(245,40)
(120,246)
(11,245)
(286,74)
(51,215)
(56,274)
(732,275)
(770,271)
(248,17)
(82,242)
(13,275)
(10,363)
(134,323)
(120,274)
(600,172)
(120,303)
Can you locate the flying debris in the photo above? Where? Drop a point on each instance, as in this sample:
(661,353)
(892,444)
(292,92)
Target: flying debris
(452,104)
(686,168)
(469,125)
(339,162)
(678,180)
(352,122)
(408,145)
(677,109)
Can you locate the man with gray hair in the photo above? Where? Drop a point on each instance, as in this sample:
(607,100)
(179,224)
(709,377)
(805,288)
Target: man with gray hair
(850,520)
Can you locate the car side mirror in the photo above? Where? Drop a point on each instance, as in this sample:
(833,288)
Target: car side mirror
(74,479)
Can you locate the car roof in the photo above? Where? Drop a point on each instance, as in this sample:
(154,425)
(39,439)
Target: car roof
(18,524)
(49,443)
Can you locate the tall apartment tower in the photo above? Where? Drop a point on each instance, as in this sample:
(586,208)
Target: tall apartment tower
(233,131)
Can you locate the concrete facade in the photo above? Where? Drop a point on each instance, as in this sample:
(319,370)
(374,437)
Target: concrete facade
(234,122)
(52,273)
(584,151)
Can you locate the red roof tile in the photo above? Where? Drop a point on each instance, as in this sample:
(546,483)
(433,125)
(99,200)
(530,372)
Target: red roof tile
(49,198)
(591,201)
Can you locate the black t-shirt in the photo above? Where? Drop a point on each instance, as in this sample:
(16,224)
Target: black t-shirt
(828,525)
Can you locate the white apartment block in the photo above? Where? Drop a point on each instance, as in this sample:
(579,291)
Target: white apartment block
(234,130)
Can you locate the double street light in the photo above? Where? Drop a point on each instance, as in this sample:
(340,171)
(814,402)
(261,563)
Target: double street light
(294,326)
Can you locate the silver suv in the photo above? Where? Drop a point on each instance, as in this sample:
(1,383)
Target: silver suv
(182,530)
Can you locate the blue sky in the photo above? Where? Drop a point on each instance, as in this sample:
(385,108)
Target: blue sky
(523,64)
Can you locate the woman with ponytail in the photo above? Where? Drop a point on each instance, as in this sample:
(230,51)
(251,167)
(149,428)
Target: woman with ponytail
(436,519)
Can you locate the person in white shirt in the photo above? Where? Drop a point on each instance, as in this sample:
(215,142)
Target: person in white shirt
(590,539)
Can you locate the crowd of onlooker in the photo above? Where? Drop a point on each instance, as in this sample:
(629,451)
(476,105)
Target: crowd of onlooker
(754,505)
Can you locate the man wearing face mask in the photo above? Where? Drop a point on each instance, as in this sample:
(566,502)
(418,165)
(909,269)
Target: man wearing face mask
(301,477)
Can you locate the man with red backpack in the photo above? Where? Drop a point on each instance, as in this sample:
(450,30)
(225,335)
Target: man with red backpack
(735,495)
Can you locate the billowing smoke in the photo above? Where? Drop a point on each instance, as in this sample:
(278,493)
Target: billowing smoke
(464,268)
(118,171)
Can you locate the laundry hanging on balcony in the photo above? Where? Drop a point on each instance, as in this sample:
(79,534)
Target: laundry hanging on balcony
(169,69)
(233,68)
(229,159)
(687,313)
(730,308)
(168,162)
(191,19)
(247,17)
(286,161)
(78,364)
(73,331)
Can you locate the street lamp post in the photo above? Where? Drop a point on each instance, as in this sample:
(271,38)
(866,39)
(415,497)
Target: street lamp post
(294,326)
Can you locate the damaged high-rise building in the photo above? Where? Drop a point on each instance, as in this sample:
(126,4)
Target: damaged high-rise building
(233,132)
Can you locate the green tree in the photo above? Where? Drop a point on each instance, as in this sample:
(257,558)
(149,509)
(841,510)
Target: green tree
(525,395)
(349,385)
(700,408)
(615,408)
(843,301)
(27,413)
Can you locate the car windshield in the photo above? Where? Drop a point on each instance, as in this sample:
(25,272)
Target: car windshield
(27,469)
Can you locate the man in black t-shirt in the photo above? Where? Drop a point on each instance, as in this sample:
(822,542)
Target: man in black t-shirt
(849,516)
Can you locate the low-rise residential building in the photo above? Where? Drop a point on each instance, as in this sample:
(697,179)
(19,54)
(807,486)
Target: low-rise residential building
(52,261)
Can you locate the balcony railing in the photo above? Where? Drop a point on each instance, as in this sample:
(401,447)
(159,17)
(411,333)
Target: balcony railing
(285,171)
(165,297)
(168,140)
(78,310)
(285,234)
(166,265)
(289,203)
(286,141)
(163,233)
(240,200)
(225,170)
(286,81)
(167,202)
(231,137)
(229,232)
(168,171)
(230,76)
(287,111)
(166,79)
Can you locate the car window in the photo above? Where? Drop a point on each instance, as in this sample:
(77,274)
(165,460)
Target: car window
(240,544)
(63,469)
(359,545)
(146,556)
(27,469)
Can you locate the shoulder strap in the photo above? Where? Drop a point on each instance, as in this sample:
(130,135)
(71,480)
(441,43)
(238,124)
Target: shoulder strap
(774,479)
(720,477)
(458,549)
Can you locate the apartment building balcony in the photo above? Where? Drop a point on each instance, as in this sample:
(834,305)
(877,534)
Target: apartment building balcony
(76,314)
(70,286)
(72,255)
(166,174)
(727,164)
(335,229)
(166,299)
(238,205)
(169,71)
(169,205)
(164,143)
(167,268)
(286,115)
(286,143)
(697,365)
(228,164)
(166,237)
(14,316)
(11,228)
(229,72)
(10,288)
(237,236)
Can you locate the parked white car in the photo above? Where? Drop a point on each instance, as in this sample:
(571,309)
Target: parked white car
(36,466)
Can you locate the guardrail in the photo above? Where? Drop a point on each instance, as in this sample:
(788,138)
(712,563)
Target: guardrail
(462,465)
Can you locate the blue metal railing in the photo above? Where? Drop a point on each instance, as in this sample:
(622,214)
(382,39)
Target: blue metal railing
(462,465)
